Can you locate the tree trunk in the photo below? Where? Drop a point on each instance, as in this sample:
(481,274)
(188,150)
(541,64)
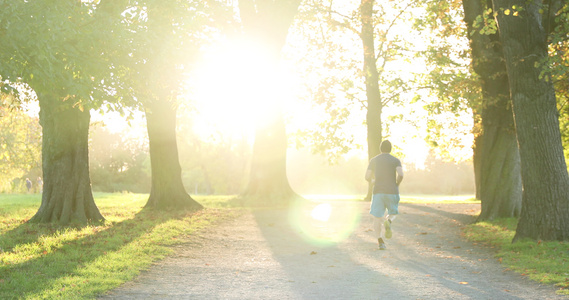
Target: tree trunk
(545,205)
(167,191)
(67,196)
(374,105)
(500,174)
(497,161)
(268,182)
(476,152)
(269,22)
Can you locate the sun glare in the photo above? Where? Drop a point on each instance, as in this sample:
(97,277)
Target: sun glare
(233,86)
(325,223)
(321,212)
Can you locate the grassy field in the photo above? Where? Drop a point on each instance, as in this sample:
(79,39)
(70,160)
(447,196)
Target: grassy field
(53,262)
(545,262)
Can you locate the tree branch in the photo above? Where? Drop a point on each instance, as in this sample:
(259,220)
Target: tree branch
(395,19)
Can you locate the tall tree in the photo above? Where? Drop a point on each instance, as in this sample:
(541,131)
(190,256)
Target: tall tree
(496,154)
(524,28)
(162,77)
(56,49)
(167,190)
(166,36)
(375,59)
(483,89)
(267,22)
(364,66)
(371,75)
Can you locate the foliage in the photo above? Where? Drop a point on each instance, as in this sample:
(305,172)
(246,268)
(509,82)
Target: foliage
(118,162)
(58,48)
(20,148)
(329,42)
(545,262)
(52,262)
(556,67)
(163,39)
(450,79)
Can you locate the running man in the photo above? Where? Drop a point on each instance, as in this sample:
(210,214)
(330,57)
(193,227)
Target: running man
(388,174)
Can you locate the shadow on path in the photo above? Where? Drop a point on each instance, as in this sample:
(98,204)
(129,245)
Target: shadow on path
(312,256)
(299,254)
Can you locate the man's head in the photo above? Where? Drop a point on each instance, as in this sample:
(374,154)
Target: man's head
(385,147)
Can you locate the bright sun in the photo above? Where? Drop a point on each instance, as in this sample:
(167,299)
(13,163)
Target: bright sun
(232,87)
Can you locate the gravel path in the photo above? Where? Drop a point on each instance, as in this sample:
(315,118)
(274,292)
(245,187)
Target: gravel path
(274,254)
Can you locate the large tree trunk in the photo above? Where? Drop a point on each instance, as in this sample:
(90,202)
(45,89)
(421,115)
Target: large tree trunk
(67,196)
(167,191)
(374,105)
(545,199)
(268,182)
(500,174)
(268,22)
(497,161)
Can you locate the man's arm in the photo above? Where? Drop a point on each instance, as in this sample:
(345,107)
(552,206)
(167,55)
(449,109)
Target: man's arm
(399,178)
(369,175)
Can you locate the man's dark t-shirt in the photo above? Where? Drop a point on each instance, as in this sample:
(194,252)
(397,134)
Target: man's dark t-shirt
(383,167)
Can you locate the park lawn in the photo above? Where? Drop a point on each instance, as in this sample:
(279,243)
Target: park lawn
(545,262)
(41,261)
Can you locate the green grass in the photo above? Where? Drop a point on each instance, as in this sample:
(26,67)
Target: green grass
(40,261)
(545,262)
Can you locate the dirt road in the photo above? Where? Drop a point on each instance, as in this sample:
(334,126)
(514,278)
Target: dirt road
(273,254)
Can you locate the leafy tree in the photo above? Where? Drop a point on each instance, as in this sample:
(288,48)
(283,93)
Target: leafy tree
(165,36)
(20,146)
(558,68)
(118,162)
(349,80)
(482,89)
(268,22)
(524,28)
(375,59)
(56,48)
(380,46)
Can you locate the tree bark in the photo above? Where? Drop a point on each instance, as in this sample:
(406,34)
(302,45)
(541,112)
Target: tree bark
(67,197)
(476,152)
(167,190)
(374,105)
(545,205)
(269,22)
(497,161)
(268,182)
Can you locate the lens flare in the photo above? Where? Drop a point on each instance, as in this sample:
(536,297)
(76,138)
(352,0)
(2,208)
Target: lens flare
(321,212)
(325,223)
